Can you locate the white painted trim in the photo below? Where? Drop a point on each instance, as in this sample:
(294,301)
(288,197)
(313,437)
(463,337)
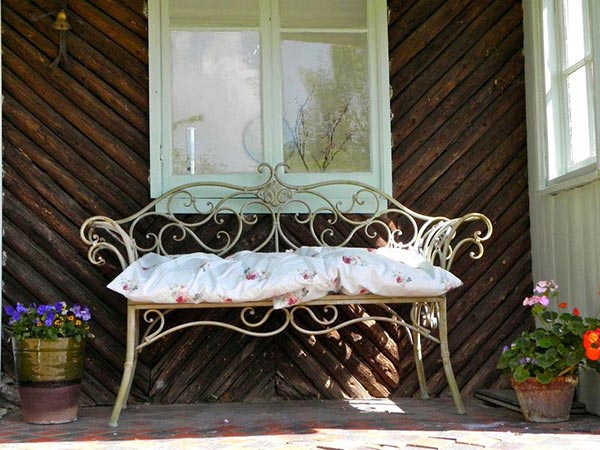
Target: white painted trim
(383,97)
(325,30)
(155,97)
(166,137)
(595,43)
(272,79)
(578,178)
(535,113)
(534,92)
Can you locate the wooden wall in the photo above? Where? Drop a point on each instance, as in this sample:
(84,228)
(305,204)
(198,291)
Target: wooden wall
(76,144)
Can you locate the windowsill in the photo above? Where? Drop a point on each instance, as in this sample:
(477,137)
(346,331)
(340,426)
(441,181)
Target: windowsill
(571,180)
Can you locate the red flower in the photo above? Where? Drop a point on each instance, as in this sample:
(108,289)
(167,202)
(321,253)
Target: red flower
(180,299)
(593,354)
(591,342)
(251,276)
(575,312)
(562,305)
(591,338)
(347,259)
(292,300)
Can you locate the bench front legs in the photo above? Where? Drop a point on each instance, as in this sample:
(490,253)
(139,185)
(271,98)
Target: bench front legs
(418,355)
(445,353)
(439,318)
(129,366)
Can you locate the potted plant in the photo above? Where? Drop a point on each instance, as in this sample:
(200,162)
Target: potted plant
(48,344)
(543,363)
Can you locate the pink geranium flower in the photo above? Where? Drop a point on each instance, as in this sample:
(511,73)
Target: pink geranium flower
(545,287)
(536,300)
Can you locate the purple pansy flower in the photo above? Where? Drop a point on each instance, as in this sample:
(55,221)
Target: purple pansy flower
(49,320)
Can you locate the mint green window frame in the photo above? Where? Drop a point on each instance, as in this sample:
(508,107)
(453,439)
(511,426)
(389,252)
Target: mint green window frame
(161,179)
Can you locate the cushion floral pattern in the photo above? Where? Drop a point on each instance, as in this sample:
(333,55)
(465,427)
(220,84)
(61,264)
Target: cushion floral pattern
(384,271)
(288,278)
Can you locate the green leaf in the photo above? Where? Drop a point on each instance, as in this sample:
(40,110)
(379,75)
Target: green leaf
(547,359)
(502,363)
(574,357)
(521,374)
(547,341)
(545,377)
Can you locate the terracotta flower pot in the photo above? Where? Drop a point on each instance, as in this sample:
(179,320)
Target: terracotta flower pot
(546,402)
(48,373)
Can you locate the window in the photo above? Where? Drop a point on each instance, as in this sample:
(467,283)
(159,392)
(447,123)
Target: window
(238,82)
(564,47)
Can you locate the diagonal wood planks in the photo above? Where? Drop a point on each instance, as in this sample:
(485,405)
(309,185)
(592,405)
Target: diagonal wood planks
(76,144)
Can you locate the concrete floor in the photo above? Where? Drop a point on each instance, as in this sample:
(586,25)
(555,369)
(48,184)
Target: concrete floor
(329,425)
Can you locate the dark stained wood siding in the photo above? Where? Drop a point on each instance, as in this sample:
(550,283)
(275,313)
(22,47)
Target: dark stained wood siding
(76,144)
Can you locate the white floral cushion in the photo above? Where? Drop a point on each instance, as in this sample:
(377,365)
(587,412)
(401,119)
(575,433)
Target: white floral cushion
(287,278)
(242,277)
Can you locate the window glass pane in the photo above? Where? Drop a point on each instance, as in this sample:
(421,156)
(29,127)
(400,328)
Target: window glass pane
(579,118)
(326,102)
(574,31)
(214,12)
(215,100)
(323,13)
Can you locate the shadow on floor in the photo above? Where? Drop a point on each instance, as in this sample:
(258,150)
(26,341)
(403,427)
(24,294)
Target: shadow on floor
(402,423)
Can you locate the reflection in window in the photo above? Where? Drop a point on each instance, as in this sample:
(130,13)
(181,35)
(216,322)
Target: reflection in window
(325,102)
(215,99)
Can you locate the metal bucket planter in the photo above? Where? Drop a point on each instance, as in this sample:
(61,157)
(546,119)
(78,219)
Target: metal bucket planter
(546,402)
(48,373)
(589,389)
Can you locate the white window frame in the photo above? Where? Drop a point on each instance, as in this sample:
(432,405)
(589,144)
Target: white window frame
(159,102)
(537,120)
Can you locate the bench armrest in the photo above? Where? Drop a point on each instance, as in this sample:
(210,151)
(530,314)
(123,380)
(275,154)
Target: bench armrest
(94,233)
(442,238)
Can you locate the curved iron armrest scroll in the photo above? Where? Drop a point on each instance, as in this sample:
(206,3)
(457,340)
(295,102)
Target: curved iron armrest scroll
(95,231)
(439,242)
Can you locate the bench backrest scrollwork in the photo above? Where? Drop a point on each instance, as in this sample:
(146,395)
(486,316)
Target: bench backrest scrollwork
(260,218)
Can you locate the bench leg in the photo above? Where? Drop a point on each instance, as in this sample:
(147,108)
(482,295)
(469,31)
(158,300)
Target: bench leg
(418,355)
(128,368)
(136,339)
(445,353)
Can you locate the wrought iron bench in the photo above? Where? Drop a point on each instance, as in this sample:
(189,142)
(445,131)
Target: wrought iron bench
(258,218)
